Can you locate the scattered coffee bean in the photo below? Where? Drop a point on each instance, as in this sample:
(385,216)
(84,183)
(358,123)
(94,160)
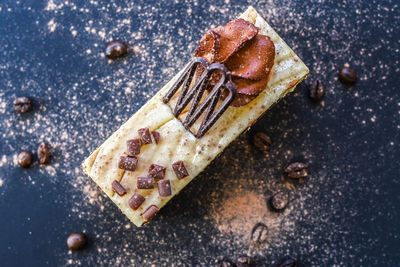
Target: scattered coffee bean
(347,75)
(116,49)
(317,90)
(43,153)
(224,263)
(259,234)
(289,262)
(25,159)
(76,241)
(22,104)
(279,201)
(244,261)
(261,141)
(297,170)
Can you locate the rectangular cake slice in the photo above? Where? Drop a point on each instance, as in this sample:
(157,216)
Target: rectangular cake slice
(142,182)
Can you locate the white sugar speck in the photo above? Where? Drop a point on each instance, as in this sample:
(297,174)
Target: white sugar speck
(52,25)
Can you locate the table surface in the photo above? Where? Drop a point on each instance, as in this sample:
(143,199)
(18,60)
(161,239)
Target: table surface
(346,213)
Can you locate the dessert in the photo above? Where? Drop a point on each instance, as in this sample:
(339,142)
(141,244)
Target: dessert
(238,72)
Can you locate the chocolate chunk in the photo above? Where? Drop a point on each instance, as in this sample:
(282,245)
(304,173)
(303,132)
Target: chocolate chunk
(259,233)
(127,163)
(145,136)
(22,104)
(180,170)
(150,212)
(347,75)
(133,147)
(164,188)
(244,261)
(289,262)
(25,159)
(297,170)
(145,182)
(279,201)
(118,188)
(135,201)
(156,136)
(43,153)
(116,49)
(76,241)
(156,171)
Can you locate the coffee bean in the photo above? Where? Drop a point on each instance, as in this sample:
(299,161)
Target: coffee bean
(289,262)
(297,170)
(43,153)
(261,141)
(317,90)
(25,159)
(279,201)
(116,49)
(22,104)
(224,263)
(347,75)
(244,261)
(76,241)
(259,233)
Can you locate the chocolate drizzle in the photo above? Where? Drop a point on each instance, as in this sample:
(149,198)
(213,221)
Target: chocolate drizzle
(195,94)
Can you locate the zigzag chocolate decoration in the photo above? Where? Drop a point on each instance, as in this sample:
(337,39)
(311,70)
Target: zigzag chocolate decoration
(196,92)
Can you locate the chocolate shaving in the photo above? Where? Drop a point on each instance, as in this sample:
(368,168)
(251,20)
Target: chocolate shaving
(179,169)
(164,188)
(150,212)
(127,163)
(133,147)
(145,136)
(156,136)
(118,188)
(135,201)
(156,171)
(145,183)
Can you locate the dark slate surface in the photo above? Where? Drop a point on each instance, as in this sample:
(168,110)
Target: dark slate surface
(345,214)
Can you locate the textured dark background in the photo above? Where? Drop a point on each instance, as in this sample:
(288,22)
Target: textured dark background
(346,214)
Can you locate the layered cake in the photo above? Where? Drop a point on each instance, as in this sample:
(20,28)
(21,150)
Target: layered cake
(237,72)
